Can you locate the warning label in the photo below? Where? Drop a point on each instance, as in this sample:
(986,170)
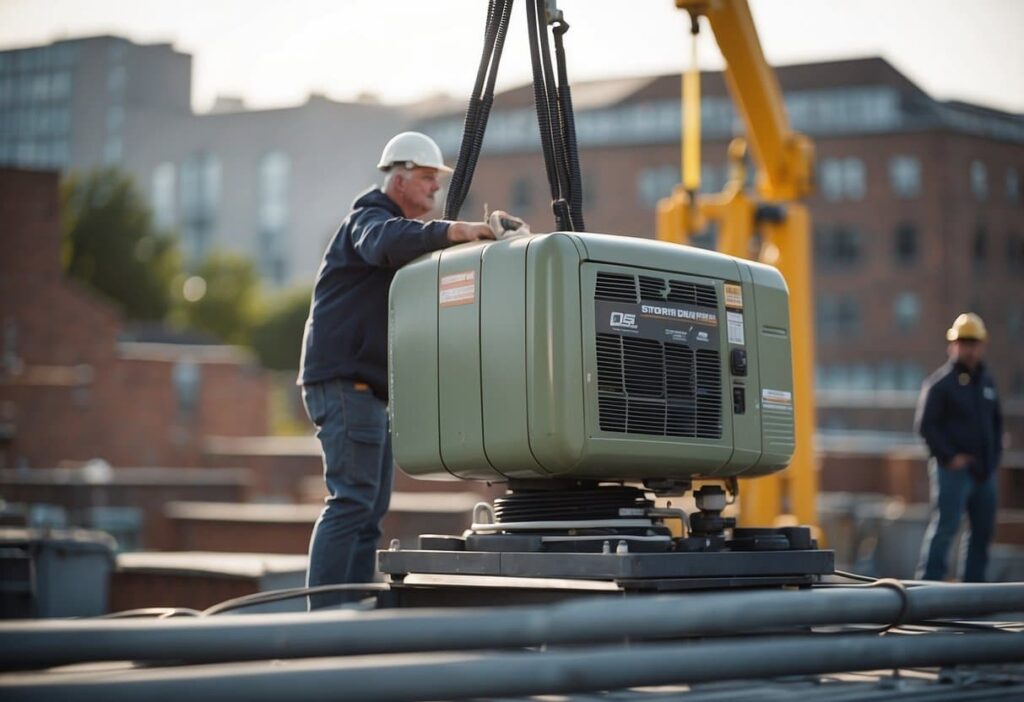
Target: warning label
(778,400)
(734,323)
(457,289)
(734,296)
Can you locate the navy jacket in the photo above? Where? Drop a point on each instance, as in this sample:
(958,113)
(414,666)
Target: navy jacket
(958,412)
(346,334)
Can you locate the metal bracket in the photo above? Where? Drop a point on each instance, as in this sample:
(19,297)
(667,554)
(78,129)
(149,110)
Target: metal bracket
(551,12)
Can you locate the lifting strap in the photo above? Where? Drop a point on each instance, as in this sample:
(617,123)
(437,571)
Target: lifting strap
(479,107)
(554,114)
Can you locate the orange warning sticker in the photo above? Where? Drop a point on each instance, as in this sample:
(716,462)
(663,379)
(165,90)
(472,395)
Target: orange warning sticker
(734,296)
(457,289)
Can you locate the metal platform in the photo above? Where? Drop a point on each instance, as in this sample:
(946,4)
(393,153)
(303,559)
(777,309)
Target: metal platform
(425,578)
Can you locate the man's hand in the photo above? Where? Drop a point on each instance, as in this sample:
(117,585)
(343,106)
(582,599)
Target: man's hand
(468,231)
(960,461)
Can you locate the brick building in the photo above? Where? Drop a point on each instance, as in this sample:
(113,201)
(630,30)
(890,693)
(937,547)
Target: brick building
(918,215)
(70,390)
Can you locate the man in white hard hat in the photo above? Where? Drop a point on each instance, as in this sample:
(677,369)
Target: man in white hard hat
(344,371)
(959,417)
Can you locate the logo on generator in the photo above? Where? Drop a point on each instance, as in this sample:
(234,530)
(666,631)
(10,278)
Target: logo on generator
(623,320)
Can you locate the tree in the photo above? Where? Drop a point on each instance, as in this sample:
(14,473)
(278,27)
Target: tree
(277,336)
(221,298)
(112,245)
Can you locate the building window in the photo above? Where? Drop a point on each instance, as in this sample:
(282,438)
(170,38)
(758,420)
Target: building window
(115,119)
(186,378)
(652,184)
(906,310)
(200,198)
(979,245)
(831,179)
(837,246)
(905,176)
(163,195)
(274,172)
(905,244)
(522,195)
(910,376)
(1015,251)
(837,317)
(1012,185)
(854,178)
(843,179)
(1015,323)
(116,79)
(979,180)
(61,153)
(1017,385)
(886,376)
(112,150)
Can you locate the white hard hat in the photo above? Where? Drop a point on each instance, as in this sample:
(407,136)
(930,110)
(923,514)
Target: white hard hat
(412,149)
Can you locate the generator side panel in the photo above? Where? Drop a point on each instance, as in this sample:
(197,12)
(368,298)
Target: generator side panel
(775,360)
(554,353)
(503,359)
(412,365)
(741,351)
(458,363)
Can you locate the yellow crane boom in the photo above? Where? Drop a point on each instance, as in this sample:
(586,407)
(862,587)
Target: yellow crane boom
(770,225)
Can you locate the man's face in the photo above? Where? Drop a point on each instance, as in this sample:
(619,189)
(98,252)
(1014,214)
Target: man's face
(967,351)
(416,191)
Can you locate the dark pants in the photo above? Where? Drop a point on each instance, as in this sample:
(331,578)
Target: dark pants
(953,492)
(352,426)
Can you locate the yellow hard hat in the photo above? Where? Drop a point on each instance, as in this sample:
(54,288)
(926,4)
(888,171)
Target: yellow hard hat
(967,326)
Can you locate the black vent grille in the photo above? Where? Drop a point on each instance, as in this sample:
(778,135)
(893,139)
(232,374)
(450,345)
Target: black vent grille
(660,290)
(664,389)
(615,287)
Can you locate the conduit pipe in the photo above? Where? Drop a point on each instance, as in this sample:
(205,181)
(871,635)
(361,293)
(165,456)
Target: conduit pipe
(25,646)
(453,676)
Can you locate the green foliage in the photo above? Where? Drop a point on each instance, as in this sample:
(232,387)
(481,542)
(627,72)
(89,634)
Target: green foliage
(111,244)
(222,298)
(277,336)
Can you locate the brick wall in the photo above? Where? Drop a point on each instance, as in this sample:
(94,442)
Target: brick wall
(69,391)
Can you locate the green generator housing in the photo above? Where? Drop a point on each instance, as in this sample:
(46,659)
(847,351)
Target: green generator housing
(589,356)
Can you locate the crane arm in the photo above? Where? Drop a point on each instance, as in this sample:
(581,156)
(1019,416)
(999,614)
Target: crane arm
(785,158)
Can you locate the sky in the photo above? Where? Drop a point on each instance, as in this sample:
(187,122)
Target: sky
(273,53)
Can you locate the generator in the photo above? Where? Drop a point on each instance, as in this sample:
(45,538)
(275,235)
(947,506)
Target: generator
(589,373)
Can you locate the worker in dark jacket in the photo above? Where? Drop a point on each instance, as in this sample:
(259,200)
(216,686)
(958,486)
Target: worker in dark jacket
(959,417)
(344,368)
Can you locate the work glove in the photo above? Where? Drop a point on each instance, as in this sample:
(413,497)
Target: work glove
(506,226)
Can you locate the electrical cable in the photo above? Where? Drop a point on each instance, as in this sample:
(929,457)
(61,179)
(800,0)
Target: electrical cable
(479,107)
(259,598)
(568,122)
(540,100)
(472,108)
(854,576)
(157,612)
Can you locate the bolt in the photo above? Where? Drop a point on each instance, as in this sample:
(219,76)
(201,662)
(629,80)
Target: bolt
(622,548)
(396,545)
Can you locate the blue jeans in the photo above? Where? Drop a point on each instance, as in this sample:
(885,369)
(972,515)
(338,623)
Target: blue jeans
(352,426)
(952,493)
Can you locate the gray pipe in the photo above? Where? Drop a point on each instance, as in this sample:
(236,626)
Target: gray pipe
(451,676)
(267,636)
